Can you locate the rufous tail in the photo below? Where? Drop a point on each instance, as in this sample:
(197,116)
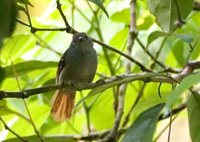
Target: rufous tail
(62,105)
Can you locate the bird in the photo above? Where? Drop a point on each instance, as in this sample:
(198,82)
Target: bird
(77,65)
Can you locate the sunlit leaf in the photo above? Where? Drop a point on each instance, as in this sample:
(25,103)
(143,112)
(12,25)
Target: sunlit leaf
(119,38)
(28,66)
(146,21)
(117,17)
(39,114)
(143,127)
(16,46)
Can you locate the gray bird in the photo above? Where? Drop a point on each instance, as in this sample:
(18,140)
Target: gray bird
(78,65)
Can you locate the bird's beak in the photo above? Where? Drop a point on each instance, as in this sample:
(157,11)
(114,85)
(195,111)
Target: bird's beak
(80,39)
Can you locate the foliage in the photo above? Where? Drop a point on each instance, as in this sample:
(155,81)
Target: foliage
(165,37)
(144,126)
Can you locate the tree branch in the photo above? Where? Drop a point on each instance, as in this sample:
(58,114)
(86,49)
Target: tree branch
(142,67)
(90,137)
(114,81)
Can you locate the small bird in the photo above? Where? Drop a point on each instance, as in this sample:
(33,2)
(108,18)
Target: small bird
(77,65)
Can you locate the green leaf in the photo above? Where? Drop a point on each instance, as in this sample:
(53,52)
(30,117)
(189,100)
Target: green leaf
(145,21)
(155,35)
(28,66)
(120,38)
(185,84)
(16,46)
(117,17)
(8,14)
(193,106)
(5,110)
(179,52)
(143,127)
(100,5)
(169,12)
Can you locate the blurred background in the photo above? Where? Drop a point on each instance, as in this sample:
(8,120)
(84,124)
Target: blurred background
(35,57)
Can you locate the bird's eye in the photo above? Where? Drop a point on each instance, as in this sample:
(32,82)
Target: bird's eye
(86,36)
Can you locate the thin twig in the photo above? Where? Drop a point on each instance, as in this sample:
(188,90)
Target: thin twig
(34,29)
(72,12)
(150,55)
(180,19)
(28,15)
(43,44)
(10,130)
(158,53)
(69,29)
(142,67)
(82,14)
(166,68)
(29,114)
(164,129)
(192,48)
(170,127)
(100,35)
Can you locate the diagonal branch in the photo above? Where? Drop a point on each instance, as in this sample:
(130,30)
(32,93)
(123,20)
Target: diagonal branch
(69,29)
(113,81)
(142,67)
